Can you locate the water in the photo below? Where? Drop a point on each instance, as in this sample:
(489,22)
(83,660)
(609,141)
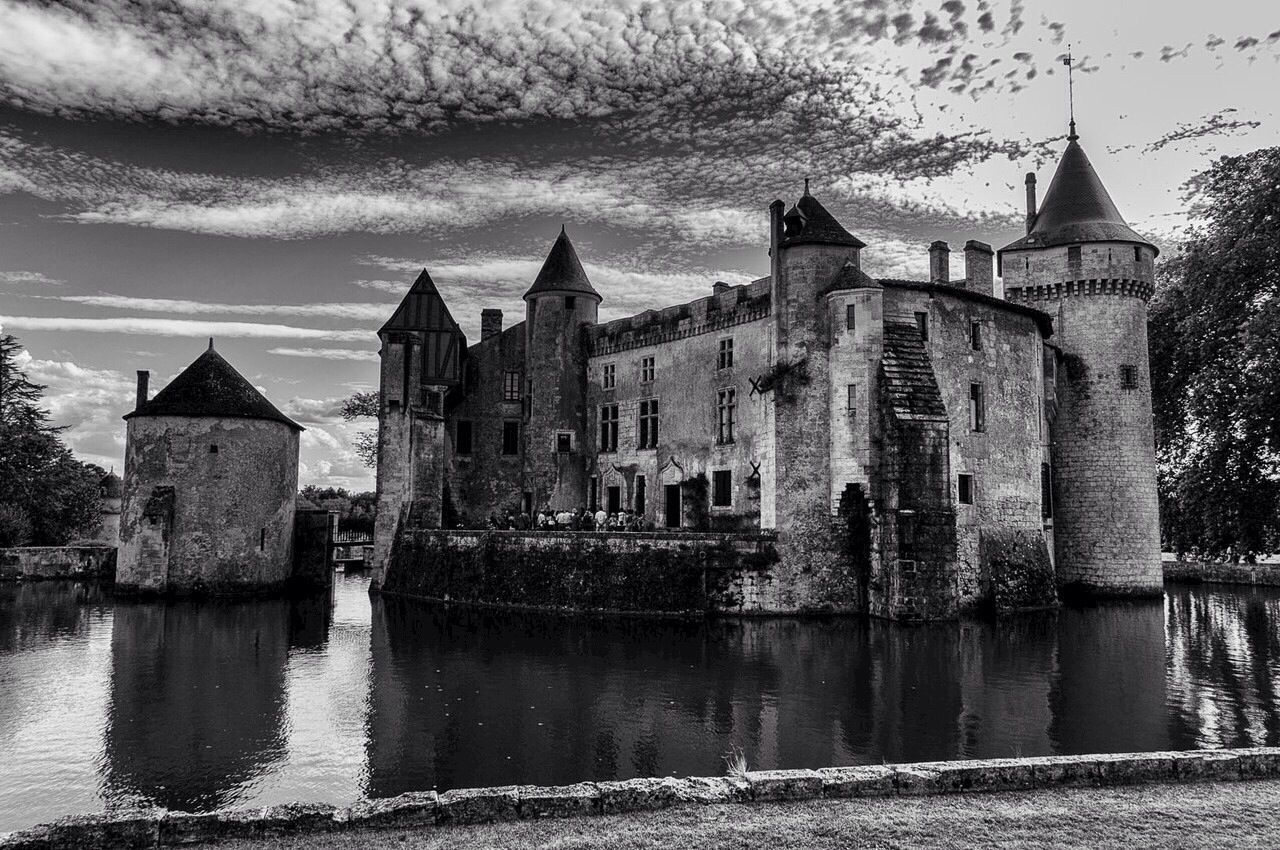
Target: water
(194,706)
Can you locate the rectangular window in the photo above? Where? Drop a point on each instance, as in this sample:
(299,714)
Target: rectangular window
(922,324)
(1073,256)
(640,494)
(511,437)
(569,302)
(649,423)
(511,386)
(262,540)
(725,358)
(965,487)
(213,448)
(609,428)
(646,370)
(564,443)
(609,376)
(1046,491)
(1137,254)
(462,437)
(853,398)
(975,336)
(850,318)
(977,408)
(722,488)
(727,411)
(1128,377)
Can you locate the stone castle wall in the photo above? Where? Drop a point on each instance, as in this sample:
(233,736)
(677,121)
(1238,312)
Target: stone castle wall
(195,518)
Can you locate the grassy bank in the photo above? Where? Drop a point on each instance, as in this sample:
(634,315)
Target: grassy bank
(1218,814)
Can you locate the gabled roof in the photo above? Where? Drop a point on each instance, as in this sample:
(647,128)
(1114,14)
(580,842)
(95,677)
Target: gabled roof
(562,271)
(423,309)
(819,226)
(1076,208)
(211,387)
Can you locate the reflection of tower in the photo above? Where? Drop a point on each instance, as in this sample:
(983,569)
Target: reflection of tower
(1084,265)
(557,306)
(1110,692)
(197,700)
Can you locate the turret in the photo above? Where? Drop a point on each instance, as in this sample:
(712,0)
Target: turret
(558,305)
(421,360)
(1082,263)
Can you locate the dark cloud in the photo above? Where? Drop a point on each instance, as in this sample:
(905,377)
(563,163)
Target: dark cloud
(1217,124)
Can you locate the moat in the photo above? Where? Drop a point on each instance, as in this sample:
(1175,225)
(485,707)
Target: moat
(194,706)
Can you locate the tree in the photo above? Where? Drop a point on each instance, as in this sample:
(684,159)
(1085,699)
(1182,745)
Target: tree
(1215,364)
(47,497)
(360,406)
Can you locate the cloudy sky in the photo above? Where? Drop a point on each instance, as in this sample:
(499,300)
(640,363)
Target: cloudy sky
(274,174)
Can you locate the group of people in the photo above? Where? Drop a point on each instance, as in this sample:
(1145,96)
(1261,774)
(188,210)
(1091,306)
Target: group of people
(582,519)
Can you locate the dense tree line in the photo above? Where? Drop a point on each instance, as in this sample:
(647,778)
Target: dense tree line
(1215,364)
(47,497)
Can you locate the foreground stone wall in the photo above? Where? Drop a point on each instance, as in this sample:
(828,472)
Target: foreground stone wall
(1195,572)
(58,562)
(642,572)
(427,809)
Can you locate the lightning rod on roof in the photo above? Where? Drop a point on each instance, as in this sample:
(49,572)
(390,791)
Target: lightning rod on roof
(1071,95)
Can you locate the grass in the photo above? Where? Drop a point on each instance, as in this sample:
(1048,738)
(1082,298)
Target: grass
(1235,815)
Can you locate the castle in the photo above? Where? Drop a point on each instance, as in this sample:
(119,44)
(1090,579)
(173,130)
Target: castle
(922,448)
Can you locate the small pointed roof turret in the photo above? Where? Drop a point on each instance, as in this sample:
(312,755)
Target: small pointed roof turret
(1076,208)
(817,226)
(562,271)
(211,387)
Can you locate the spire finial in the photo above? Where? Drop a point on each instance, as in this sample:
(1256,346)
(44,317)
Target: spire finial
(211,343)
(1071,96)
(806,185)
(562,233)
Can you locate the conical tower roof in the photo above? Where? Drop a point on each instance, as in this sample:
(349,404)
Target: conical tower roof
(1076,208)
(211,387)
(820,227)
(562,271)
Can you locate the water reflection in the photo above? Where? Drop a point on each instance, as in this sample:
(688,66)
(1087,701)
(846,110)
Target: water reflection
(198,705)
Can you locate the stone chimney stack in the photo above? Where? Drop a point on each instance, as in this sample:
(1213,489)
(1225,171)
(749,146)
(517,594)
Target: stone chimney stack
(490,323)
(1031,200)
(978,276)
(144,378)
(719,288)
(939,263)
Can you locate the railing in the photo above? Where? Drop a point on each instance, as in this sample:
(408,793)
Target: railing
(351,537)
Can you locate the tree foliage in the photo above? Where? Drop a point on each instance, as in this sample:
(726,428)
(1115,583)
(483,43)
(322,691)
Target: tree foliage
(47,497)
(360,406)
(1215,364)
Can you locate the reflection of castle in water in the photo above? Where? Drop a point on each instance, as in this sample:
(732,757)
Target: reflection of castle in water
(464,698)
(197,707)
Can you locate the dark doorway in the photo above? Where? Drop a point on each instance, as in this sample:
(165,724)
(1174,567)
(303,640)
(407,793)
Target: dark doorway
(673,505)
(854,509)
(614,495)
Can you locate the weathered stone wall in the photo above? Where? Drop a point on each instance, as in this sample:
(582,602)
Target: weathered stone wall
(684,342)
(1197,572)
(486,481)
(58,562)
(198,520)
(587,571)
(1005,457)
(556,383)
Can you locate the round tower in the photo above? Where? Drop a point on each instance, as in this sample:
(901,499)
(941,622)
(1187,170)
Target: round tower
(559,304)
(210,482)
(1081,263)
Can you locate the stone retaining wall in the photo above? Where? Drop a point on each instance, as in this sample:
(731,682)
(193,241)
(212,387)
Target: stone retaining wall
(161,828)
(28,563)
(1195,572)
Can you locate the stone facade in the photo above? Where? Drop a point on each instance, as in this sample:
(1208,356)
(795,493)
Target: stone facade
(210,484)
(922,448)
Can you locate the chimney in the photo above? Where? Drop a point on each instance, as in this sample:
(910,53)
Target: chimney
(719,288)
(143,378)
(490,323)
(939,263)
(1031,200)
(978,275)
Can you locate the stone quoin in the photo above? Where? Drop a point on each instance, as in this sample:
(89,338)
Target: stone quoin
(921,448)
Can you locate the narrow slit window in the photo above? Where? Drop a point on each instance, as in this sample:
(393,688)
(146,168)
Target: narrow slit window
(262,540)
(853,399)
(975,335)
(850,317)
(977,408)
(922,324)
(965,487)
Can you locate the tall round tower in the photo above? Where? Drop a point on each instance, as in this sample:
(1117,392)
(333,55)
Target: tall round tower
(1081,263)
(558,305)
